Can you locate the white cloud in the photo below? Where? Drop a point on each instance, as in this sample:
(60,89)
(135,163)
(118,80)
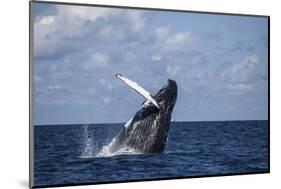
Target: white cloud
(54,87)
(239,77)
(85,13)
(239,88)
(156,57)
(100,59)
(196,60)
(241,72)
(167,40)
(97,60)
(136,19)
(46,20)
(162,32)
(178,39)
(52,31)
(172,70)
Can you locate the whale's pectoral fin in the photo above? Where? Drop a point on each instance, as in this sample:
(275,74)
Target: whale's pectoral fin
(139,89)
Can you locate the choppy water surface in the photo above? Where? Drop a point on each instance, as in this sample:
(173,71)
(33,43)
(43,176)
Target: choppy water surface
(71,154)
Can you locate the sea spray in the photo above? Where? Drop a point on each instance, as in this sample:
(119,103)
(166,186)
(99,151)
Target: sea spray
(89,147)
(115,148)
(92,150)
(123,150)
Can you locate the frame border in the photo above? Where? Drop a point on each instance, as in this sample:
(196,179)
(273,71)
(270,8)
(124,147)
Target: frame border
(31,125)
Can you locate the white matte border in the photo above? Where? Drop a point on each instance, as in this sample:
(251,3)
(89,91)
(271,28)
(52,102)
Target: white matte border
(15,91)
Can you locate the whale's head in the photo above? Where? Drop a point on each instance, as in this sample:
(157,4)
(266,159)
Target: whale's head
(167,96)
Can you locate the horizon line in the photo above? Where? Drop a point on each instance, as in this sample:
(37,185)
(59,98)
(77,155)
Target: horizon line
(171,121)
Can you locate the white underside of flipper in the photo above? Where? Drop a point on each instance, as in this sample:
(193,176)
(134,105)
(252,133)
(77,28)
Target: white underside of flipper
(139,89)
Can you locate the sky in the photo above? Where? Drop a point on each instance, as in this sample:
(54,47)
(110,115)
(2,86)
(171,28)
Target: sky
(220,63)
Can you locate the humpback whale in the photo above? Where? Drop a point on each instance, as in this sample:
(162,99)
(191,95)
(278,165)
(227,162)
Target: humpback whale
(147,130)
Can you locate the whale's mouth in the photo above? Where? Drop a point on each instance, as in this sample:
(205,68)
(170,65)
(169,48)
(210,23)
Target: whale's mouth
(167,95)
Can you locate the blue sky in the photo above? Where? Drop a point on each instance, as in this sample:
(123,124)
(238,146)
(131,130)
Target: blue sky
(219,62)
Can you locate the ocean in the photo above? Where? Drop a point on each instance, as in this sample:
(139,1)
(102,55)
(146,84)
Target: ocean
(69,154)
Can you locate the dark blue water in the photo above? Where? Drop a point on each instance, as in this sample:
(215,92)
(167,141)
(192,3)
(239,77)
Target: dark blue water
(65,154)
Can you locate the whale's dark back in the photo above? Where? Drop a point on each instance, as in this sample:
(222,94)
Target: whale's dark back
(148,130)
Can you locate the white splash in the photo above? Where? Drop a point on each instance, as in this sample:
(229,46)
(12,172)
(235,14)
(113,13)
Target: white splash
(111,149)
(89,148)
(124,150)
(114,148)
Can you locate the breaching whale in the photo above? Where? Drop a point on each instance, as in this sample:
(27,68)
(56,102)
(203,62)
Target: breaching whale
(147,131)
